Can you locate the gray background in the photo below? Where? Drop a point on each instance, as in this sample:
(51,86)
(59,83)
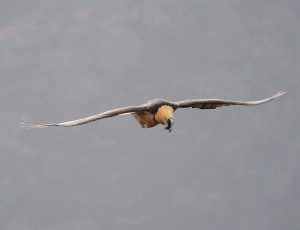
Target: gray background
(230,168)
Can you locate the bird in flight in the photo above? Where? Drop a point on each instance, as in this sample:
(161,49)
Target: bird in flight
(154,112)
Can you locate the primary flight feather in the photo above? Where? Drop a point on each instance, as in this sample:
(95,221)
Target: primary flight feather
(154,112)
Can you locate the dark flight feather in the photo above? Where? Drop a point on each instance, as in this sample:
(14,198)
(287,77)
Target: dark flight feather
(214,103)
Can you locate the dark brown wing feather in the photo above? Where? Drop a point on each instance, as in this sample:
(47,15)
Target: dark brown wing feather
(82,121)
(214,103)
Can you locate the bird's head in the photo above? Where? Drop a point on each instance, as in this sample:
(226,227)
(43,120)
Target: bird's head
(169,122)
(164,116)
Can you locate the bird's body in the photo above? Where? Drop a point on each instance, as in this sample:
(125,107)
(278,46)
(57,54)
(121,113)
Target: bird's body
(155,112)
(149,120)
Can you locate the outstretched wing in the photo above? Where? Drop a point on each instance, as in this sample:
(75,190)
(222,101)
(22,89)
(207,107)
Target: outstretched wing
(110,113)
(214,103)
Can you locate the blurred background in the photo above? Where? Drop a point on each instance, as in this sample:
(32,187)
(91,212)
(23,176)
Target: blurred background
(230,168)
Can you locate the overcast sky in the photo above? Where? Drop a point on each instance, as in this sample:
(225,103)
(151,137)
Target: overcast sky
(230,168)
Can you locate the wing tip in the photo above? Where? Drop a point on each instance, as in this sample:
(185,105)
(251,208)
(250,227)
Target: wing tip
(278,94)
(35,125)
(271,98)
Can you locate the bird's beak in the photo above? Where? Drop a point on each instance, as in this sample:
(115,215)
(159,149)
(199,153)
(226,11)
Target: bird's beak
(169,123)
